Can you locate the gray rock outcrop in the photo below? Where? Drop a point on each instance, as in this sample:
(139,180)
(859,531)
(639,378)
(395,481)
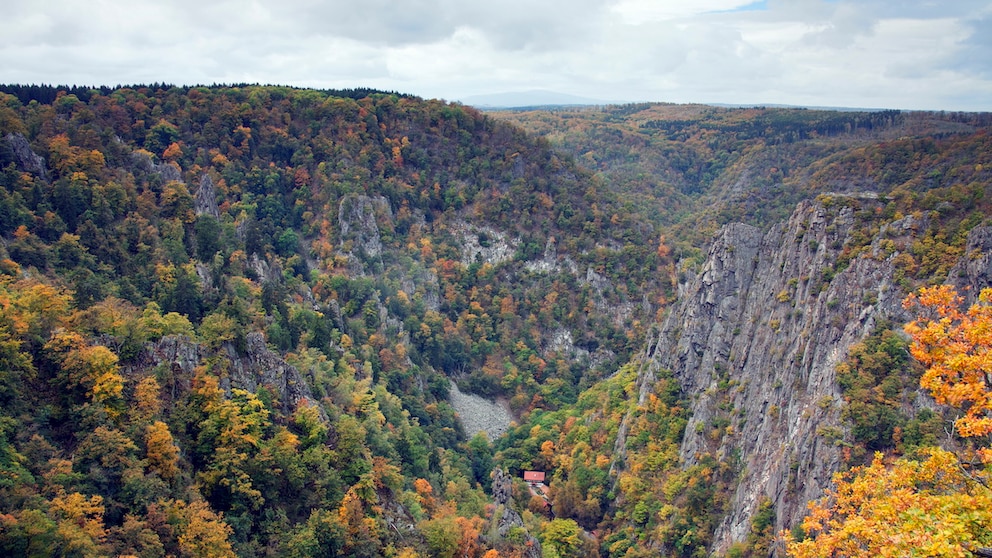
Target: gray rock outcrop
(206,198)
(168,171)
(25,158)
(357,217)
(176,357)
(260,366)
(755,341)
(506,517)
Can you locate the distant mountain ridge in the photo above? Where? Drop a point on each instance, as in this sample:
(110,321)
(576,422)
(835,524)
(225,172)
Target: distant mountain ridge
(531,98)
(238,311)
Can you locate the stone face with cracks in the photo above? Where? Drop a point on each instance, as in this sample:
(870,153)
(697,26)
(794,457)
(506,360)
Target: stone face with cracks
(257,367)
(26,159)
(763,326)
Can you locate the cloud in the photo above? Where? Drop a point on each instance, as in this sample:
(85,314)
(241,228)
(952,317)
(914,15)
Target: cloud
(828,52)
(643,11)
(973,56)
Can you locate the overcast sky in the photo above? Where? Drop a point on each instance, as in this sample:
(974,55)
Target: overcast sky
(913,54)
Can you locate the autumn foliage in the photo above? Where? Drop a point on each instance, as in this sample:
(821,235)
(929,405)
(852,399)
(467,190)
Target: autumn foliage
(906,508)
(940,504)
(955,345)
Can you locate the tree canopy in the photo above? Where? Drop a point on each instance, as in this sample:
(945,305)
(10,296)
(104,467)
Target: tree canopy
(938,503)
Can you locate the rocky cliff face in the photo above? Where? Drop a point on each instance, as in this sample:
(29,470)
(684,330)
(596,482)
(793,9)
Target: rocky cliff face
(360,232)
(756,338)
(206,198)
(26,159)
(178,356)
(505,517)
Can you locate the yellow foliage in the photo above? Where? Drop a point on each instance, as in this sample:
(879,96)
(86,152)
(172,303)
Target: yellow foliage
(939,506)
(956,348)
(31,308)
(80,523)
(147,403)
(202,532)
(162,453)
(928,508)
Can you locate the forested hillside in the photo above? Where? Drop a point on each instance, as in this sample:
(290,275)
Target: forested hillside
(230,316)
(785,342)
(694,168)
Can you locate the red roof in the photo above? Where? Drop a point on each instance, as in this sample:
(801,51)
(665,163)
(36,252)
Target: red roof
(534,476)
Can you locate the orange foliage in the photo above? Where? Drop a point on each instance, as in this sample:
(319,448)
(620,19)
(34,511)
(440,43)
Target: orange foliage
(939,506)
(929,508)
(956,348)
(426,493)
(173,152)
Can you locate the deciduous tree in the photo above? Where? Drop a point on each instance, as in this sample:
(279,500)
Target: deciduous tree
(955,345)
(911,508)
(939,506)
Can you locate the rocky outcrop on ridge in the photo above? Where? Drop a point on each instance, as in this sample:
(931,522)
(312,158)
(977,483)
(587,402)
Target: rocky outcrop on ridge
(177,356)
(26,159)
(505,516)
(360,232)
(756,338)
(206,198)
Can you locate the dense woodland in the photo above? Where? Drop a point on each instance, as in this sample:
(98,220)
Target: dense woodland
(375,247)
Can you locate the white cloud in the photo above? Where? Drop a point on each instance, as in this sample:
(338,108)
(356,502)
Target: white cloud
(642,11)
(826,52)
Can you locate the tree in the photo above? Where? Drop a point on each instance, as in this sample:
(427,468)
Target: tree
(207,231)
(231,434)
(442,535)
(940,506)
(911,508)
(147,403)
(89,368)
(201,531)
(956,348)
(561,538)
(80,524)
(162,453)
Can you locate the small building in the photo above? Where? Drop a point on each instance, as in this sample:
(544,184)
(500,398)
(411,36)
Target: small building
(534,476)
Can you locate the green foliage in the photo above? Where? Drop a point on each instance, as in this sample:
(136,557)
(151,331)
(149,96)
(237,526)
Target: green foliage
(383,244)
(692,168)
(877,378)
(560,539)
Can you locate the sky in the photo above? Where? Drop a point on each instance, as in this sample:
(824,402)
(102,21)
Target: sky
(912,54)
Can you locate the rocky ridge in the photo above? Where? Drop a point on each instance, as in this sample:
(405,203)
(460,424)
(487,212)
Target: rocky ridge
(177,357)
(755,341)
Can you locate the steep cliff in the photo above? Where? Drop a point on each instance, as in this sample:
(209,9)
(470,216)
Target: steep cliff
(178,356)
(755,342)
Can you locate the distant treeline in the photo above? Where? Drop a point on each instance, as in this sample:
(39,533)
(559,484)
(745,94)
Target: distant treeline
(46,94)
(787,125)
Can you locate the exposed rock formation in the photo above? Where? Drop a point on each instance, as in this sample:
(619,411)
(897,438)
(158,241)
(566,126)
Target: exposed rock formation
(257,367)
(360,231)
(755,341)
(505,516)
(261,367)
(480,415)
(176,353)
(168,171)
(206,198)
(26,159)
(483,243)
(974,271)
